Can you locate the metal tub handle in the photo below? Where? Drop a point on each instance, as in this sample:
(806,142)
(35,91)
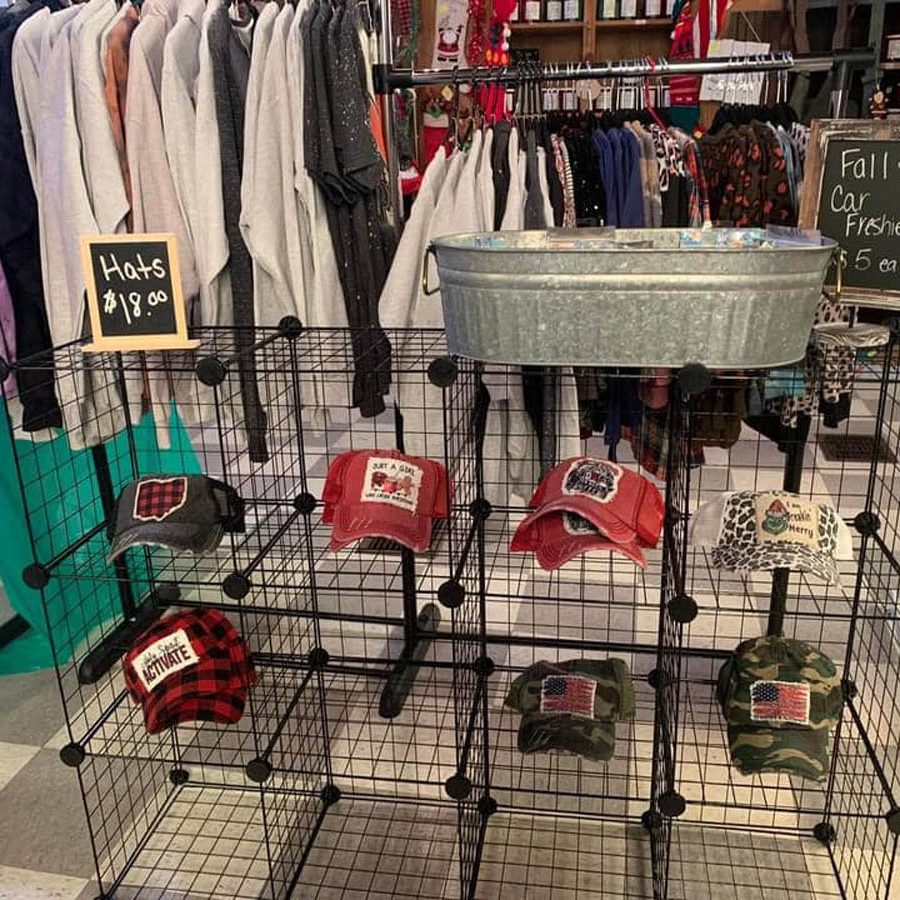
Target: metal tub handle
(430,251)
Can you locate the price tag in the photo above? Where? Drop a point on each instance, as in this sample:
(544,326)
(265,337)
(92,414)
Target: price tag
(134,293)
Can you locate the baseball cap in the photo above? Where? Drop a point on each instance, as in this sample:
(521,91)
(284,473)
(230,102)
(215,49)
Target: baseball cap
(754,530)
(191,666)
(780,698)
(558,537)
(624,506)
(572,706)
(188,513)
(384,493)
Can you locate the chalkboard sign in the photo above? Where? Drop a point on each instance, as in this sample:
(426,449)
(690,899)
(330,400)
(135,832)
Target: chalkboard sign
(852,195)
(135,301)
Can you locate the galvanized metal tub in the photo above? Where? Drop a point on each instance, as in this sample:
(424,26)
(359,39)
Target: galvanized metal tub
(626,297)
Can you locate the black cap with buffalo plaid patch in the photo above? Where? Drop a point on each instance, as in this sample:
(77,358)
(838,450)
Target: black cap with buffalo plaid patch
(189,667)
(185,512)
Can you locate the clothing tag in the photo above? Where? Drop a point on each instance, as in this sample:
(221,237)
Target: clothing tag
(594,478)
(782,519)
(554,10)
(571,10)
(532,10)
(570,101)
(163,658)
(568,694)
(392,481)
(780,701)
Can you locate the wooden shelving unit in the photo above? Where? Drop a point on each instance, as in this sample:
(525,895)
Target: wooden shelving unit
(593,38)
(664,24)
(545,27)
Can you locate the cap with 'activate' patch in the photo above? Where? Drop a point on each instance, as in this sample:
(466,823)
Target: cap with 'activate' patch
(191,666)
(780,697)
(559,537)
(187,513)
(624,506)
(572,706)
(758,531)
(384,493)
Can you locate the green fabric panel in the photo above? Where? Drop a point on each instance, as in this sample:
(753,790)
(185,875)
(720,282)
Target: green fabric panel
(64,504)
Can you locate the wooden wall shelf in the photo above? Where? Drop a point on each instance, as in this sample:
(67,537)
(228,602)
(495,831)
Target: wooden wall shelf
(665,24)
(546,27)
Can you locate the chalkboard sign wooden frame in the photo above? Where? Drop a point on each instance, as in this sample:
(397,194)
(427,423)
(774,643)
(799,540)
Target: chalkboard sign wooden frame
(175,336)
(822,133)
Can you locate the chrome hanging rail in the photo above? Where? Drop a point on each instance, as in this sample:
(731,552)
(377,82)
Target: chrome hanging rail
(387,79)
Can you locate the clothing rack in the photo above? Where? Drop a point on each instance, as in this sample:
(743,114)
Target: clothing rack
(387,78)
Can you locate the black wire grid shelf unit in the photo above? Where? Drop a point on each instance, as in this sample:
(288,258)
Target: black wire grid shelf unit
(376,757)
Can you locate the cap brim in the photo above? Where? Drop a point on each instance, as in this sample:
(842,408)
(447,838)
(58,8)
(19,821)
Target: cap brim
(762,558)
(414,532)
(609,526)
(593,739)
(182,539)
(551,561)
(795,751)
(551,553)
(182,712)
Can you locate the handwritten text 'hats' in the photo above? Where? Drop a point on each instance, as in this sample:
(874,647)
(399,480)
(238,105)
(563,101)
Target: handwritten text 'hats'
(188,513)
(192,666)
(384,493)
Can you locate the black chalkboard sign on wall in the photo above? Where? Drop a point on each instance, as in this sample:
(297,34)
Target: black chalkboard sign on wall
(135,301)
(856,167)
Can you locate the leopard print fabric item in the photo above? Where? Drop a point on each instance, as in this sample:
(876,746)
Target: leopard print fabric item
(827,371)
(738,549)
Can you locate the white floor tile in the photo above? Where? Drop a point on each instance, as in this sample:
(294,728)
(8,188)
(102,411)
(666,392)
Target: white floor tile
(13,757)
(24,884)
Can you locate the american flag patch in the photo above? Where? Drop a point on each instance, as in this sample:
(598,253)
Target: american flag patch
(779,701)
(568,694)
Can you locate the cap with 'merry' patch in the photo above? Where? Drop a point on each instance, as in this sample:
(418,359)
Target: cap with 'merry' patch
(192,666)
(384,493)
(624,506)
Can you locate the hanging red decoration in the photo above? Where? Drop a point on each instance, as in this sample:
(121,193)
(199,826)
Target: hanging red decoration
(476,49)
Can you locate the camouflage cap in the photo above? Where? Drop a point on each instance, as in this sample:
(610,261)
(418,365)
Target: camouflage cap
(780,697)
(572,706)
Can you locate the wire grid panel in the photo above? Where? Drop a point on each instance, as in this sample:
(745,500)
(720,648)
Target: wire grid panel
(370,849)
(537,857)
(215,843)
(735,606)
(865,788)
(464,406)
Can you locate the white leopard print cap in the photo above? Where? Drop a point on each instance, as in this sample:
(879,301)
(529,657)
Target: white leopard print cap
(763,530)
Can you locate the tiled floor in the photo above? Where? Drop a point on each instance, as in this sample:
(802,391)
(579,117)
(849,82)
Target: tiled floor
(208,842)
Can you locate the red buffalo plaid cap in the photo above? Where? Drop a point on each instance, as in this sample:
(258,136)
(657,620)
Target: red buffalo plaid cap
(192,666)
(384,493)
(624,506)
(559,537)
